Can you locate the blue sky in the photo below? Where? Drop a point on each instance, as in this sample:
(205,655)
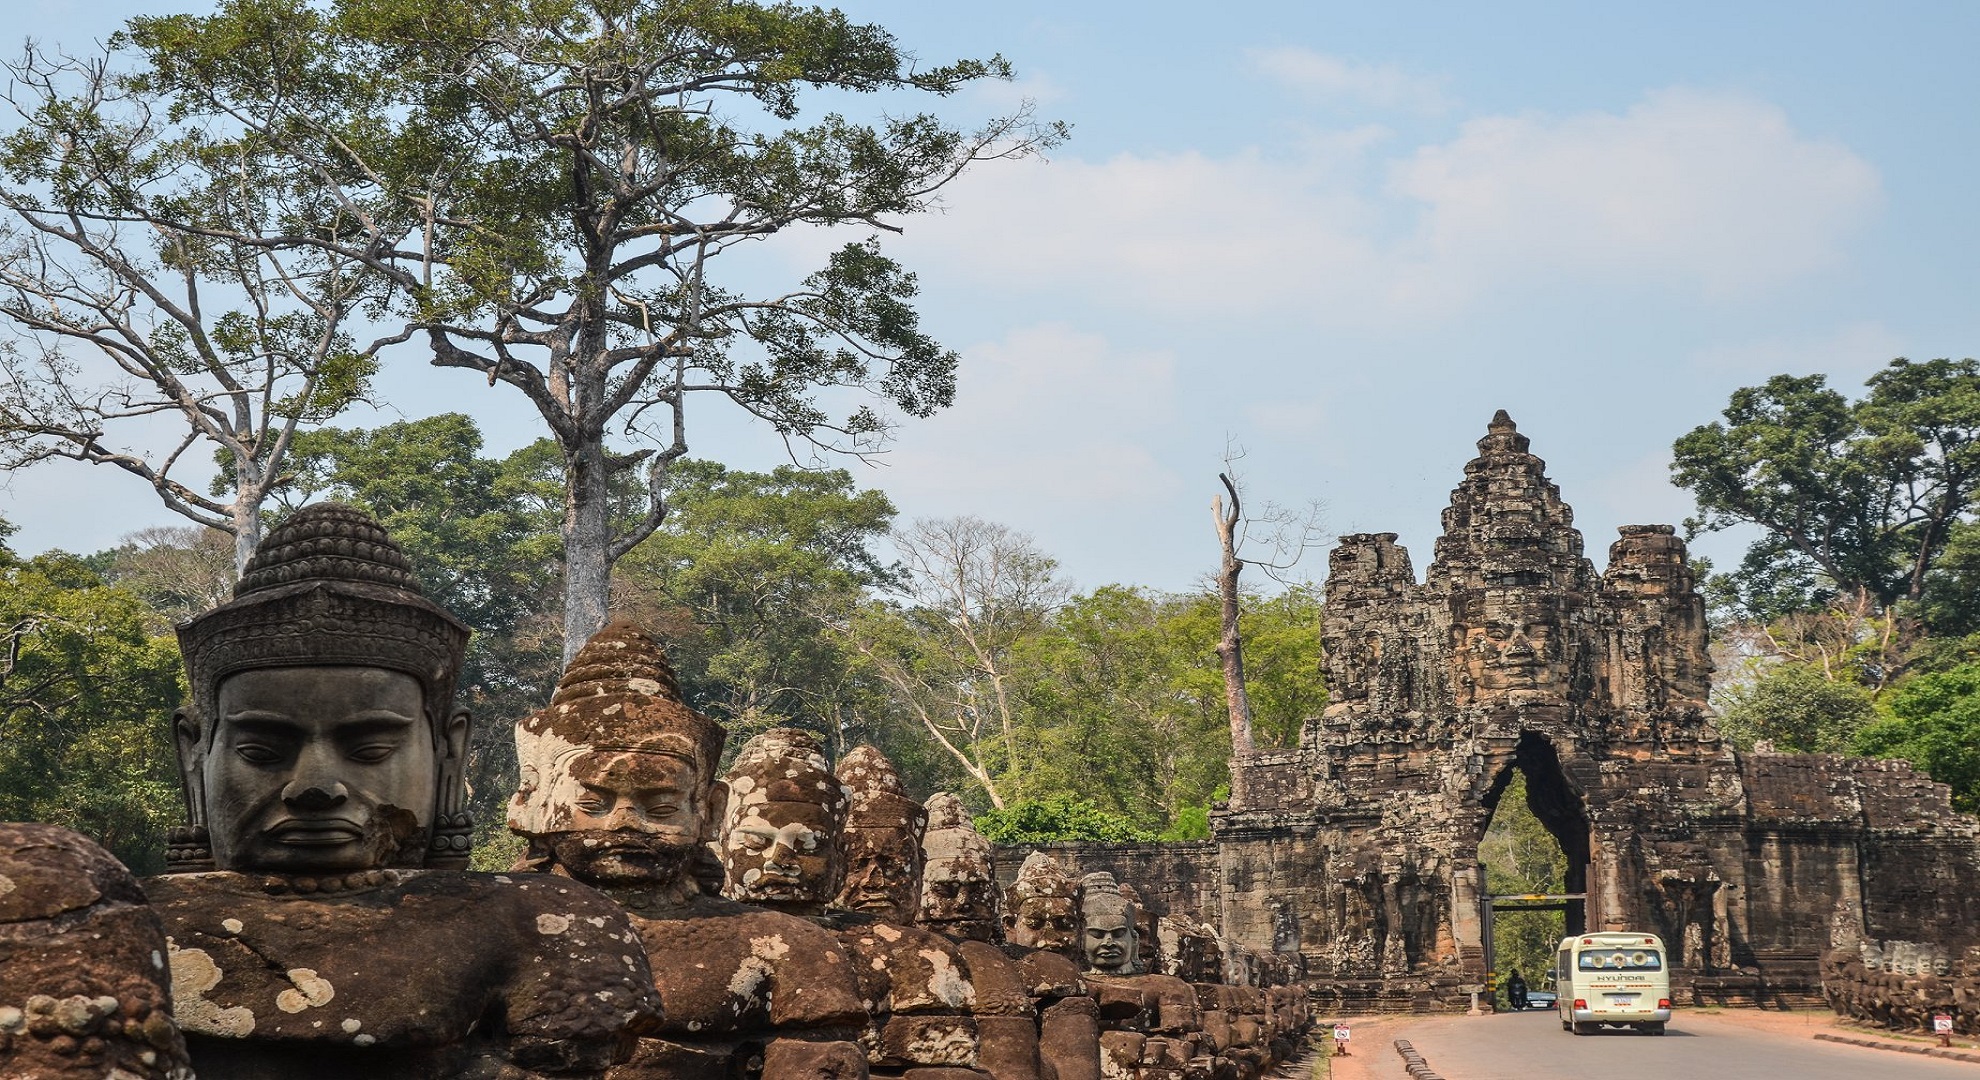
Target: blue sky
(1343,234)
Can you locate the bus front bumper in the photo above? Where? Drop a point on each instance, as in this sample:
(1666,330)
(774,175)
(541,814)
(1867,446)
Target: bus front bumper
(1619,1016)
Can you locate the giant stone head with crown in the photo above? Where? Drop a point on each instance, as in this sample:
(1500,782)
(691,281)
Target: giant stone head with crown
(322,736)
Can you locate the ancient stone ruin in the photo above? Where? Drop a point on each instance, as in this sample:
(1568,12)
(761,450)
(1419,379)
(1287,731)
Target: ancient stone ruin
(1354,856)
(797,919)
(309,934)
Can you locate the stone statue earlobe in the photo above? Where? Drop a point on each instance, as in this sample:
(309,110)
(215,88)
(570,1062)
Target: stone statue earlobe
(192,763)
(715,811)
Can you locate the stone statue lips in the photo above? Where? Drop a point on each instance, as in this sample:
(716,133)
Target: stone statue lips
(315,832)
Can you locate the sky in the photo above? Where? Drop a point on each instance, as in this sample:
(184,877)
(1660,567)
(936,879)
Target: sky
(1336,237)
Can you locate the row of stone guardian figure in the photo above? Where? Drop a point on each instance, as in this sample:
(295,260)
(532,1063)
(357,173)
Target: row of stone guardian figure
(787,919)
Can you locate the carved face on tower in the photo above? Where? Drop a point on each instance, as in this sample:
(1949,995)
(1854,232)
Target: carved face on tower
(1509,642)
(321,737)
(780,840)
(618,774)
(882,839)
(958,889)
(1107,933)
(1044,907)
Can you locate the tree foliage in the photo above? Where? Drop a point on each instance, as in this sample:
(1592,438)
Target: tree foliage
(144,274)
(1933,721)
(547,188)
(1797,707)
(740,581)
(87,687)
(1857,500)
(1057,819)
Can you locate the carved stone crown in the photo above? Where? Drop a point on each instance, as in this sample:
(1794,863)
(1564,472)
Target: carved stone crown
(1041,876)
(326,587)
(619,694)
(878,798)
(784,764)
(1099,892)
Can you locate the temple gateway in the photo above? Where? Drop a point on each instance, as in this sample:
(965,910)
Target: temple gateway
(1355,854)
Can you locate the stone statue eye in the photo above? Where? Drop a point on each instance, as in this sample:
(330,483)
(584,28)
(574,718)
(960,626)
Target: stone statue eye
(661,810)
(754,841)
(258,754)
(372,753)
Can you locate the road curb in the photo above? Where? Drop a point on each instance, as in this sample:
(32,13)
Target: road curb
(1414,1064)
(1902,1048)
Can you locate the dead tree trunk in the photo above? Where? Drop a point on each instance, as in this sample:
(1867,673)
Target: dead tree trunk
(1230,648)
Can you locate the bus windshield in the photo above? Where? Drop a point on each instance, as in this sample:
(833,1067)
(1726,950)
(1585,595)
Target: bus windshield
(1621,960)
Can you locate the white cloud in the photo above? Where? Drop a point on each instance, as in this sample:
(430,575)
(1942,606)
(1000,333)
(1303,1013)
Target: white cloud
(1047,413)
(1714,189)
(1709,193)
(1326,77)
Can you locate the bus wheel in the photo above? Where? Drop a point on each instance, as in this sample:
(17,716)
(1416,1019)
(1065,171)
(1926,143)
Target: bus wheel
(1583,1029)
(1655,1027)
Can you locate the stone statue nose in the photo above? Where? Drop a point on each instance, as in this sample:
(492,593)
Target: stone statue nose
(313,797)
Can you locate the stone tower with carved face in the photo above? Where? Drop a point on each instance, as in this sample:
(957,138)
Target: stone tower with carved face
(1360,846)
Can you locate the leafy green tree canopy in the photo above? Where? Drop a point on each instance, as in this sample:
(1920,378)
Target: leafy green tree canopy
(86,687)
(1057,819)
(1933,721)
(1855,498)
(1797,707)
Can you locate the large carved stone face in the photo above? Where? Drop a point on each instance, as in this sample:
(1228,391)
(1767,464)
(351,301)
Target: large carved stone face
(318,769)
(637,820)
(1110,945)
(952,895)
(781,853)
(1044,922)
(883,870)
(1514,644)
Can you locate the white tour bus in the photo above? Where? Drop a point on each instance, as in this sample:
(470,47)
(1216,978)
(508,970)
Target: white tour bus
(1613,978)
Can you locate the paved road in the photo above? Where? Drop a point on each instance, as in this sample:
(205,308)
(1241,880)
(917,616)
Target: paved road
(1532,1046)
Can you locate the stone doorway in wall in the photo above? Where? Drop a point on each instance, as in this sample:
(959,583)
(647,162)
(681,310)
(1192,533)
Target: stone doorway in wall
(1533,863)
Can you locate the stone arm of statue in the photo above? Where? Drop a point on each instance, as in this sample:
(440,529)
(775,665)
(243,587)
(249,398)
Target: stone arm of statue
(581,998)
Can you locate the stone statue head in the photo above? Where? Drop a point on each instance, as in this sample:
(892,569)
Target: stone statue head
(882,839)
(958,889)
(322,736)
(1509,645)
(617,775)
(1107,927)
(780,837)
(1042,911)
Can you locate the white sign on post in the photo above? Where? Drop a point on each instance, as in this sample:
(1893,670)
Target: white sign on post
(1341,1033)
(1942,1022)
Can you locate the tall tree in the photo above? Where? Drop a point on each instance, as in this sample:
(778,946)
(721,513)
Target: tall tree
(548,185)
(1856,498)
(1290,535)
(141,276)
(947,645)
(1230,644)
